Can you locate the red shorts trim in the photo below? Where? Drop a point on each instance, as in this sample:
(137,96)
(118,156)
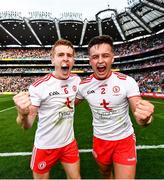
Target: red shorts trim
(42,160)
(120,151)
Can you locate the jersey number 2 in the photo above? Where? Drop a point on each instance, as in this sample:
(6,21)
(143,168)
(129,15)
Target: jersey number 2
(103,91)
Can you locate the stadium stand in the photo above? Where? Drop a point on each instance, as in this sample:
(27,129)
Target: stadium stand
(146,17)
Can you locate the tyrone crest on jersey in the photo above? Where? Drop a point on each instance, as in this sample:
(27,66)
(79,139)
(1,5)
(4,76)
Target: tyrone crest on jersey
(116,90)
(74,88)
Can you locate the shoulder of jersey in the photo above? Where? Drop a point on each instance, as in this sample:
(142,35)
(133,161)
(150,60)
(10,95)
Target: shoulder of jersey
(41,80)
(73,75)
(87,79)
(120,75)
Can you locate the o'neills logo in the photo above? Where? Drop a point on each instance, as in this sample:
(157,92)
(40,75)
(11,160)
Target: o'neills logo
(116,89)
(74,88)
(42,165)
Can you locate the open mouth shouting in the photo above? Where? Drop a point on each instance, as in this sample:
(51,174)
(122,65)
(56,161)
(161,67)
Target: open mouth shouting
(101,68)
(65,68)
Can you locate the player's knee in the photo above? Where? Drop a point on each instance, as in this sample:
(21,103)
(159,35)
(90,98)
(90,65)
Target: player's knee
(106,173)
(129,174)
(74,176)
(40,176)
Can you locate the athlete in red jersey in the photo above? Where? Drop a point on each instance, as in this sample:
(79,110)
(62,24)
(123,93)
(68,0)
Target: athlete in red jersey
(109,95)
(52,98)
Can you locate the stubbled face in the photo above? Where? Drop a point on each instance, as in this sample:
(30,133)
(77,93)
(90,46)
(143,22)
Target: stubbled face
(101,58)
(63,60)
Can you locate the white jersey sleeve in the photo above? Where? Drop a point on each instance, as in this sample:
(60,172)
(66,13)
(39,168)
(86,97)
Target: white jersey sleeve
(80,93)
(132,88)
(35,95)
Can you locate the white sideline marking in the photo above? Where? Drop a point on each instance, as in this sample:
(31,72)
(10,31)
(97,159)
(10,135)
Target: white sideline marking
(81,150)
(7,109)
(161,146)
(15,154)
(157,102)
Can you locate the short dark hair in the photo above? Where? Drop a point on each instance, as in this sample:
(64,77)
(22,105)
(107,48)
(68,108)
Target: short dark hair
(62,42)
(97,40)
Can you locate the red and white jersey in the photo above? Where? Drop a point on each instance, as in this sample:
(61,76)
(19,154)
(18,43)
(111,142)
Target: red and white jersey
(108,100)
(55,99)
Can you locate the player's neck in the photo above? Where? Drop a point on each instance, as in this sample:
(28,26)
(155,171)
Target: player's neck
(60,77)
(102,78)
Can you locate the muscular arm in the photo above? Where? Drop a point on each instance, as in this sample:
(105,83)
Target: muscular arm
(142,110)
(26,112)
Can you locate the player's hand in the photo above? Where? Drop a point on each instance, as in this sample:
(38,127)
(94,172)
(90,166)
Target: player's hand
(143,112)
(22,102)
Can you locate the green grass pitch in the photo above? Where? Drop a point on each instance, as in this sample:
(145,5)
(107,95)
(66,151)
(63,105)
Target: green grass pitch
(14,139)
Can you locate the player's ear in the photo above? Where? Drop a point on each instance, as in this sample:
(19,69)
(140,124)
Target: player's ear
(52,54)
(52,61)
(113,58)
(90,61)
(73,61)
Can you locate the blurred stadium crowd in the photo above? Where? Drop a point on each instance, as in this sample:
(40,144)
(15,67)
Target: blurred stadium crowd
(123,49)
(148,82)
(142,59)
